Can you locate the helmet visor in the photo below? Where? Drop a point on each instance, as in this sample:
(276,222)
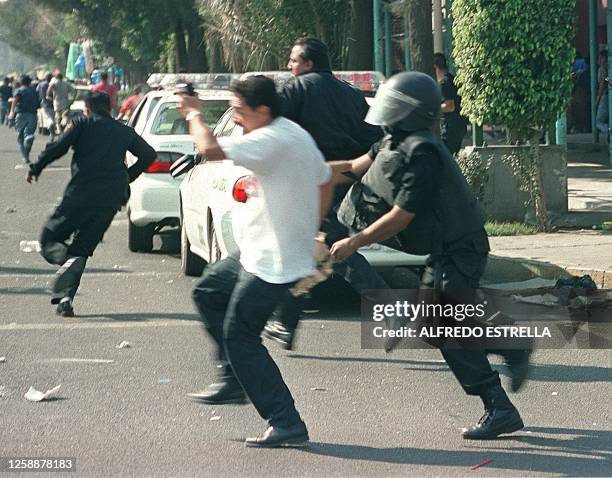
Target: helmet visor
(390,106)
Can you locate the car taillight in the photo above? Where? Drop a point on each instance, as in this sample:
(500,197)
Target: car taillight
(239,192)
(159,167)
(244,188)
(163,162)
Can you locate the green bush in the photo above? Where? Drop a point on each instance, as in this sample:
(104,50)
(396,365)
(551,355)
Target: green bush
(514,63)
(514,60)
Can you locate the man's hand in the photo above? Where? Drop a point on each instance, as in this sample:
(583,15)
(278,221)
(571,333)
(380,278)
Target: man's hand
(344,248)
(31,177)
(187,104)
(11,116)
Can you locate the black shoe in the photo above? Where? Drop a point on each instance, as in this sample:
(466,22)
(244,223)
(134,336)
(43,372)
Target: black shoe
(221,393)
(518,363)
(500,417)
(281,334)
(274,437)
(65,309)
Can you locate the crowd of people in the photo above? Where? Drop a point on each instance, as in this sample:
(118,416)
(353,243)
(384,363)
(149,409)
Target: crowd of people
(21,99)
(365,176)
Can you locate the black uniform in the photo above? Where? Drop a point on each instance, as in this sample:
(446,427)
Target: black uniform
(416,173)
(98,188)
(453,126)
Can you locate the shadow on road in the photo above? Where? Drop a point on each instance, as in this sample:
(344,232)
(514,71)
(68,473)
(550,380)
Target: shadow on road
(140,316)
(533,460)
(539,372)
(24,291)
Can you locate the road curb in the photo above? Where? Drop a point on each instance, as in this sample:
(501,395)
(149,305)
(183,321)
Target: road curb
(508,269)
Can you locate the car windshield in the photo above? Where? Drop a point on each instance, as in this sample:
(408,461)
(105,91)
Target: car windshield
(169,121)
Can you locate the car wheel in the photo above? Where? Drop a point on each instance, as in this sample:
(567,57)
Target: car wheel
(140,238)
(215,249)
(191,264)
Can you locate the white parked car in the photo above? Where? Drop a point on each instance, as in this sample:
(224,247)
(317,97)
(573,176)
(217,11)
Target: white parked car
(154,199)
(210,195)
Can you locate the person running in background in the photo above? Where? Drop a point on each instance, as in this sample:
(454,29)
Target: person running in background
(62,94)
(24,109)
(6,93)
(128,106)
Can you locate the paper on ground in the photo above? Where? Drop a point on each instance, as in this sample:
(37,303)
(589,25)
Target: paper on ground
(34,395)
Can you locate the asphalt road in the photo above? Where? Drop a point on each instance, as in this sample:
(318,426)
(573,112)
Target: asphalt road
(124,411)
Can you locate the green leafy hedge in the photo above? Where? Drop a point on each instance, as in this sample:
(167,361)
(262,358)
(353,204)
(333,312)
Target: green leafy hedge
(514,60)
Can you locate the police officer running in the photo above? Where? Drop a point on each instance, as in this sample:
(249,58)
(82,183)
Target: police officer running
(98,188)
(413,197)
(333,112)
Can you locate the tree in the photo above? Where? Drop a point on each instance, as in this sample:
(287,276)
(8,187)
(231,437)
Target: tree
(514,62)
(361,40)
(420,39)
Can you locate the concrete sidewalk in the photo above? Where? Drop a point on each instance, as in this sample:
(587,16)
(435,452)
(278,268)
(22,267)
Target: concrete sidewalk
(552,256)
(567,252)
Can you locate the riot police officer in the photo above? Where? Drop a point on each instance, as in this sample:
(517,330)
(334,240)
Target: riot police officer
(413,197)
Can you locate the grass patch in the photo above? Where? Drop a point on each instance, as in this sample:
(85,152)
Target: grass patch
(509,229)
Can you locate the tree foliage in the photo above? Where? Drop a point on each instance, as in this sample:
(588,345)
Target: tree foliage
(259,34)
(514,60)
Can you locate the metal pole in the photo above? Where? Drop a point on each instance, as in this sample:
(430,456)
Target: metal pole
(448,34)
(609,31)
(378,66)
(477,138)
(388,45)
(593,64)
(407,62)
(438,37)
(561,130)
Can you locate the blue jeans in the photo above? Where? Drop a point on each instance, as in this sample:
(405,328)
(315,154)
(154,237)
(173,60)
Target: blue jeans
(4,109)
(235,306)
(25,124)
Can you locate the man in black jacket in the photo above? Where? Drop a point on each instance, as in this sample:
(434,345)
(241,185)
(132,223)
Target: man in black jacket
(333,112)
(98,188)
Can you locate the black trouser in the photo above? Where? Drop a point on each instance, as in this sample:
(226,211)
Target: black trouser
(452,135)
(355,269)
(84,223)
(456,278)
(235,306)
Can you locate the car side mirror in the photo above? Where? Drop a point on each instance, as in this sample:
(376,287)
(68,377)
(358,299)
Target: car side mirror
(183,165)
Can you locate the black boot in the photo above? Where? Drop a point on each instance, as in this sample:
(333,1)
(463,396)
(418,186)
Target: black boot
(221,393)
(500,416)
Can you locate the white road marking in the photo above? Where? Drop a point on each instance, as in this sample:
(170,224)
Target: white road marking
(91,275)
(50,168)
(113,325)
(78,360)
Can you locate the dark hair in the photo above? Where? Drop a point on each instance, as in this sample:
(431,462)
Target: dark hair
(104,76)
(59,76)
(314,50)
(603,53)
(25,80)
(98,102)
(7,80)
(137,89)
(257,91)
(48,76)
(440,61)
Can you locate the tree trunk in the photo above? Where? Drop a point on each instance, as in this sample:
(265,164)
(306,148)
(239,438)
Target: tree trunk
(180,48)
(217,64)
(361,39)
(420,37)
(196,48)
(538,198)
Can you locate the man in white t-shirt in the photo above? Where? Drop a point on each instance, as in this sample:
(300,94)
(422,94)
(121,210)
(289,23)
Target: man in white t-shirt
(277,225)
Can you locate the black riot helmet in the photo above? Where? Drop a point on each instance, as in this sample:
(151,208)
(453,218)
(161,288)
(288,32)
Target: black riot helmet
(409,101)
